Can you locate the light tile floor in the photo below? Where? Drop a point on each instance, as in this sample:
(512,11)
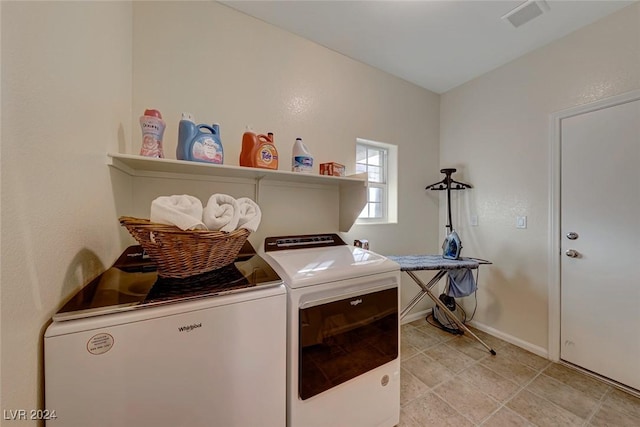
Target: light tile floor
(450,380)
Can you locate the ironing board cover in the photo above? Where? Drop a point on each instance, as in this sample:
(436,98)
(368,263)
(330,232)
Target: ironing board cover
(432,262)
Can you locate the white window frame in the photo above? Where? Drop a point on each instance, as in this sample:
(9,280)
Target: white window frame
(390,186)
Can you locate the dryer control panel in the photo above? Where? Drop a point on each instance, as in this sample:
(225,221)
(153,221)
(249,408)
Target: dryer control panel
(305,241)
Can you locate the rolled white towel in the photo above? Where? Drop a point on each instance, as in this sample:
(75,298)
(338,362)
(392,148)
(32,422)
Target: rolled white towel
(250,214)
(183,211)
(221,213)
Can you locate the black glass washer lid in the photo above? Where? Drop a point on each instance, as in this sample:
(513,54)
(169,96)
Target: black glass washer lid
(132,283)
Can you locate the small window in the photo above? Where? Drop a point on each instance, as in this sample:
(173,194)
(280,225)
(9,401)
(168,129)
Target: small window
(378,160)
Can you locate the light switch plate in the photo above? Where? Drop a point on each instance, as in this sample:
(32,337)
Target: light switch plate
(521,222)
(473,220)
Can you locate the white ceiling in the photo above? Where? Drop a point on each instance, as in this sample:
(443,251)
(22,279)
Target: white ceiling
(435,44)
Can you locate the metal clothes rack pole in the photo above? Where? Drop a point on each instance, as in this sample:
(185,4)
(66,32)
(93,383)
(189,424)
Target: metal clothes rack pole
(448,184)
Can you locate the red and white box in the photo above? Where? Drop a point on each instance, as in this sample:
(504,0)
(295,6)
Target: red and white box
(332,168)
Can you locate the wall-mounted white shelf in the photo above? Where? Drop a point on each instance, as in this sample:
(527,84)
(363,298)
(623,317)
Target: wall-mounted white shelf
(352,188)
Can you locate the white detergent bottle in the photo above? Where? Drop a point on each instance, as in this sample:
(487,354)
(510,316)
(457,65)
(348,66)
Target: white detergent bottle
(301,159)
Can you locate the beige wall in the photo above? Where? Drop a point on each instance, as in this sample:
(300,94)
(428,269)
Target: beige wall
(496,128)
(66,101)
(226,67)
(73,87)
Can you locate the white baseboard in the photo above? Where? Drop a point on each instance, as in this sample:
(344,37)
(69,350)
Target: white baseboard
(540,351)
(535,349)
(415,316)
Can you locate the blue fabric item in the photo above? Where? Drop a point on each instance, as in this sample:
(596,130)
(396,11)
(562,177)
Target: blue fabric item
(461,283)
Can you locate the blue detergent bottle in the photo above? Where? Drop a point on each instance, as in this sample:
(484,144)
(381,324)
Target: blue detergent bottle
(198,146)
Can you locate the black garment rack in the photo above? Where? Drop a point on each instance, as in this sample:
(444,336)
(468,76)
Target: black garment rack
(408,264)
(448,184)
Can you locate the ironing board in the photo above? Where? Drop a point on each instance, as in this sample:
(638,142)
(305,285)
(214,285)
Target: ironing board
(411,263)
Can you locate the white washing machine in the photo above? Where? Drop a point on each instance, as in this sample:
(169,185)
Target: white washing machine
(133,350)
(343,336)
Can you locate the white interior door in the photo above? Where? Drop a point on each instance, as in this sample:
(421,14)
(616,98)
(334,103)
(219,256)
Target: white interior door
(600,262)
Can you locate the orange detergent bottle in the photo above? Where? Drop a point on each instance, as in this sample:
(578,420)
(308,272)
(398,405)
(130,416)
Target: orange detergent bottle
(258,151)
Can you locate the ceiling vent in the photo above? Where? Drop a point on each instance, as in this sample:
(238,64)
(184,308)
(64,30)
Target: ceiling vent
(526,12)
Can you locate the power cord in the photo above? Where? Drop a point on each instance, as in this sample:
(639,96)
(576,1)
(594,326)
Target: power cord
(457,331)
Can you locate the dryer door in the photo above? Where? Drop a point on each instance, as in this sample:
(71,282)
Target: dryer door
(340,340)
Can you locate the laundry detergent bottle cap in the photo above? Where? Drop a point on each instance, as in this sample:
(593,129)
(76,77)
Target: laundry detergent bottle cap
(199,143)
(152,127)
(258,150)
(301,158)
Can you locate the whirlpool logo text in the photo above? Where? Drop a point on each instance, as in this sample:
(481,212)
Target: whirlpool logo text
(190,328)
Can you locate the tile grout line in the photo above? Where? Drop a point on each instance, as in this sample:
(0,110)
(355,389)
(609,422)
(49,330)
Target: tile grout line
(599,405)
(454,375)
(515,393)
(500,404)
(586,420)
(458,412)
(457,375)
(429,389)
(419,395)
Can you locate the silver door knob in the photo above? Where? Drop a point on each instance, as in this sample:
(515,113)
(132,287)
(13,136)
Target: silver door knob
(572,253)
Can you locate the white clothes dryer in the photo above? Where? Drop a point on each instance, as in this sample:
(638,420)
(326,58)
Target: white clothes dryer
(343,339)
